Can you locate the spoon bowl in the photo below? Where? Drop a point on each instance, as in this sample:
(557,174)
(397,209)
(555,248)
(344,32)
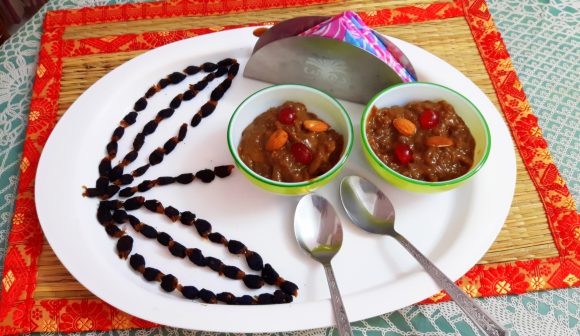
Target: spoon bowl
(319,232)
(371,210)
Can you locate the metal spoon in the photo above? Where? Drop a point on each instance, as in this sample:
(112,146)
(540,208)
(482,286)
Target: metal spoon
(319,233)
(371,210)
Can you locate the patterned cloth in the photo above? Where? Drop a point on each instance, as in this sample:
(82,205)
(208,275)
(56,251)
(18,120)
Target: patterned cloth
(542,38)
(348,27)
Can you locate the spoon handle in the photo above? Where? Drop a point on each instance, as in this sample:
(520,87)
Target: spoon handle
(339,313)
(466,303)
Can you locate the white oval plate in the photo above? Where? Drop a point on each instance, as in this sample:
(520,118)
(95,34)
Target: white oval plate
(375,274)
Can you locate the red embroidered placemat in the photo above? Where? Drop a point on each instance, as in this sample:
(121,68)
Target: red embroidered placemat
(21,311)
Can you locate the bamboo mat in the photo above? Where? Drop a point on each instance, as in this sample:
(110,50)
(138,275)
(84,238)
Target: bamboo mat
(526,233)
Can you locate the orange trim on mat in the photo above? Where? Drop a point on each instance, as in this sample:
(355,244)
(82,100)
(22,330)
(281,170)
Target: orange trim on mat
(163,9)
(21,313)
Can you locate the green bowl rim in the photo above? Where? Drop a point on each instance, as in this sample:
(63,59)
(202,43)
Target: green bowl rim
(456,180)
(315,180)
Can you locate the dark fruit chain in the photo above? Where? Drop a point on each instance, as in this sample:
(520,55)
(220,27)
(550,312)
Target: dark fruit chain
(204,175)
(115,175)
(110,213)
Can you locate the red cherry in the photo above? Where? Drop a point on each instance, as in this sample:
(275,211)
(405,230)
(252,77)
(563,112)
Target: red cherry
(403,153)
(287,115)
(428,119)
(301,153)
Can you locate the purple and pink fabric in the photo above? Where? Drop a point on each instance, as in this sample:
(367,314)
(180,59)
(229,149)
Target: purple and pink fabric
(349,27)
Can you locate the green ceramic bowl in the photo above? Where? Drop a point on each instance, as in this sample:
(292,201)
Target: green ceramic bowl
(405,93)
(323,105)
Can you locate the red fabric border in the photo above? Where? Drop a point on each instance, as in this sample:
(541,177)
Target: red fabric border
(19,312)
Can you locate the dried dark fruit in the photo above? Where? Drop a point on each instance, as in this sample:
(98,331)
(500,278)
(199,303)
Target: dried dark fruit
(217,237)
(148,231)
(192,70)
(140,104)
(215,264)
(279,297)
(114,231)
(151,92)
(141,170)
(151,274)
(130,118)
(182,132)
(156,156)
(176,77)
(208,66)
(112,148)
(207,109)
(269,274)
(134,203)
(207,296)
(127,192)
(169,282)
(172,213)
(131,156)
(177,250)
(144,186)
(245,300)
(234,69)
(196,257)
(105,166)
(236,247)
(125,179)
(124,246)
(165,180)
(163,238)
(111,191)
(190,292)
(150,127)
(169,145)
(265,298)
(176,101)
(217,93)
(104,215)
(187,218)
(223,171)
(163,83)
(153,205)
(289,288)
(233,272)
(226,297)
(205,175)
(189,95)
(195,120)
(222,70)
(184,178)
(120,216)
(101,184)
(200,85)
(226,62)
(134,220)
(137,262)
(254,261)
(118,133)
(165,113)
(92,192)
(138,141)
(253,281)
(203,227)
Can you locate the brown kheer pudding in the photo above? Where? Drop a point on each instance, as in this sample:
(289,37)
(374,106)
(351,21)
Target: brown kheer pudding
(289,144)
(424,140)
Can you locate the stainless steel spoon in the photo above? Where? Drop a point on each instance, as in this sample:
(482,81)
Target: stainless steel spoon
(371,210)
(319,233)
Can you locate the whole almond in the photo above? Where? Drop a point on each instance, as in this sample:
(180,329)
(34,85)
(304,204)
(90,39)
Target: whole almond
(315,125)
(277,140)
(405,126)
(439,141)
